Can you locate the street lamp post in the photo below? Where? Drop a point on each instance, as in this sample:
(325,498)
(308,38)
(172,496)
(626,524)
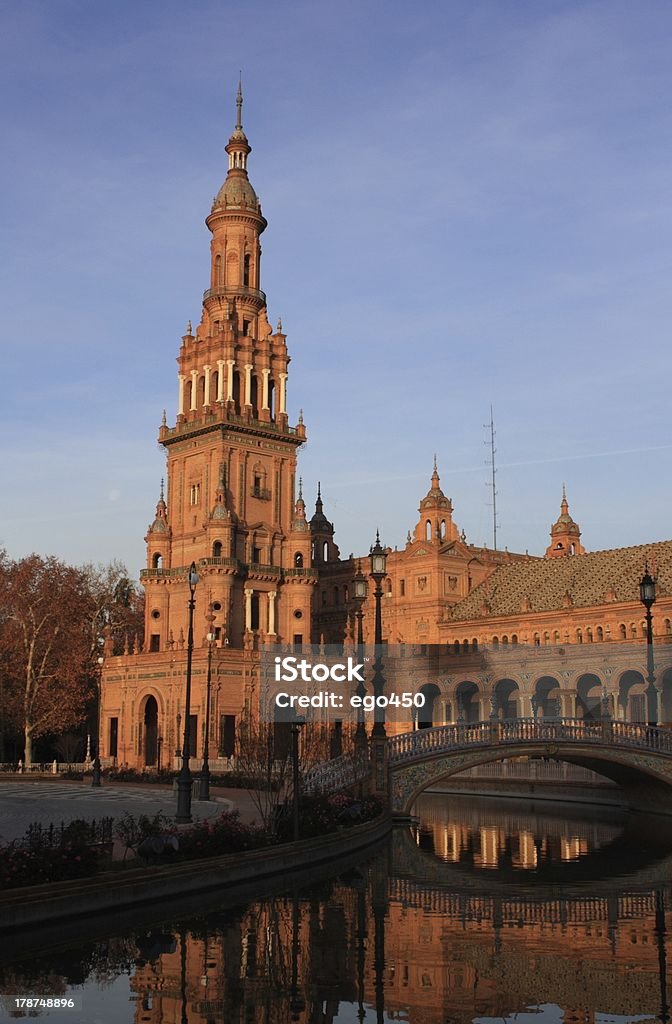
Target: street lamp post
(378,573)
(183,816)
(96,777)
(205,770)
(647,595)
(360,690)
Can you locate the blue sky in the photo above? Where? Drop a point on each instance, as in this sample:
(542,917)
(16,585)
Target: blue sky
(469,201)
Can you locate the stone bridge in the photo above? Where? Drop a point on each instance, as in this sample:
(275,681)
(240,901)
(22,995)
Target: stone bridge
(637,757)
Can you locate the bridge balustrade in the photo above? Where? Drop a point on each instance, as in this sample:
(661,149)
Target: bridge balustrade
(445,738)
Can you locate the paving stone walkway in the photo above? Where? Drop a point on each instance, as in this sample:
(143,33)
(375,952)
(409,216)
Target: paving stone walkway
(23,802)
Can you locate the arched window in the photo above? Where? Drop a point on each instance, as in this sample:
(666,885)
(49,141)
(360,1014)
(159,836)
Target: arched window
(589,635)
(345,593)
(465,647)
(443,529)
(536,639)
(644,633)
(505,641)
(217,549)
(298,560)
(668,626)
(456,646)
(214,386)
(474,645)
(495,641)
(579,636)
(246,269)
(599,634)
(556,637)
(157,560)
(218,271)
(622,632)
(547,638)
(633,630)
(388,587)
(514,638)
(200,400)
(428,530)
(325,551)
(187,394)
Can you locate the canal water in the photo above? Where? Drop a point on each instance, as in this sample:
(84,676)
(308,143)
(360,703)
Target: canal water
(479,911)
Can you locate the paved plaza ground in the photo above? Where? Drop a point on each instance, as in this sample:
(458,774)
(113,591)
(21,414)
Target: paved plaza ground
(24,801)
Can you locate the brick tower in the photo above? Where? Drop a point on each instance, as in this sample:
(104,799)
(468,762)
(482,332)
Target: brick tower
(229,506)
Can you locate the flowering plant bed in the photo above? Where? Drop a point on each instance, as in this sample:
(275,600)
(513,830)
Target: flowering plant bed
(71,853)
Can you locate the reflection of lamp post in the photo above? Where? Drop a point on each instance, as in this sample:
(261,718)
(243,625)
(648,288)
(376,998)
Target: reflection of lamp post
(183,816)
(378,573)
(95,779)
(647,595)
(360,690)
(361,935)
(297,1003)
(297,725)
(205,770)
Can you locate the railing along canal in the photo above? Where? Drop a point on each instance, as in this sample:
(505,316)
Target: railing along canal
(443,739)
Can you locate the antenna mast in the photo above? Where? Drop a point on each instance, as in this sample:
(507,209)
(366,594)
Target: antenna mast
(492,484)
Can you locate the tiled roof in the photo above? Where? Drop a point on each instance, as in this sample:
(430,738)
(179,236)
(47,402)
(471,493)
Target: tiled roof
(602,577)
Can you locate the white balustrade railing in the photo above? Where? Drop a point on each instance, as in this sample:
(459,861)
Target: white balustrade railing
(423,743)
(331,776)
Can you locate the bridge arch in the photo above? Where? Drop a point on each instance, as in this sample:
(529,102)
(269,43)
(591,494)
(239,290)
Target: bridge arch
(467,701)
(636,757)
(427,714)
(631,698)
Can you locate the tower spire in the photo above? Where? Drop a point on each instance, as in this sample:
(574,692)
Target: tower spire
(239,103)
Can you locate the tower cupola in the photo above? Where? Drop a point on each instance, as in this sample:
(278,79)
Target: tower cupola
(565,534)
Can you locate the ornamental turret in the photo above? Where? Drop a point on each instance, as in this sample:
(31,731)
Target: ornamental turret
(565,534)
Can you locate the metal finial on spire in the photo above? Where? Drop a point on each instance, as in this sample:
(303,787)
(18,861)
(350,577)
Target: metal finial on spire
(279,327)
(564,493)
(300,488)
(239,102)
(435,466)
(319,491)
(377,536)
(189,327)
(163,419)
(301,416)
(161,491)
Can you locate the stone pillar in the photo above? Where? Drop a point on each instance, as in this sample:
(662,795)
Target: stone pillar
(248,609)
(659,705)
(220,380)
(229,380)
(206,396)
(181,377)
(271,612)
(264,388)
(525,702)
(282,395)
(248,383)
(194,389)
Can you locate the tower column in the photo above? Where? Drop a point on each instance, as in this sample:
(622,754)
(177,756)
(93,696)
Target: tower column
(181,377)
(194,388)
(206,396)
(220,379)
(229,380)
(264,388)
(248,609)
(248,383)
(271,612)
(282,396)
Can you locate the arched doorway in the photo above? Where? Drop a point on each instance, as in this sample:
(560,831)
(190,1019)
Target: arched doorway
(666,698)
(589,697)
(426,714)
(467,702)
(506,698)
(151,730)
(632,697)
(546,699)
